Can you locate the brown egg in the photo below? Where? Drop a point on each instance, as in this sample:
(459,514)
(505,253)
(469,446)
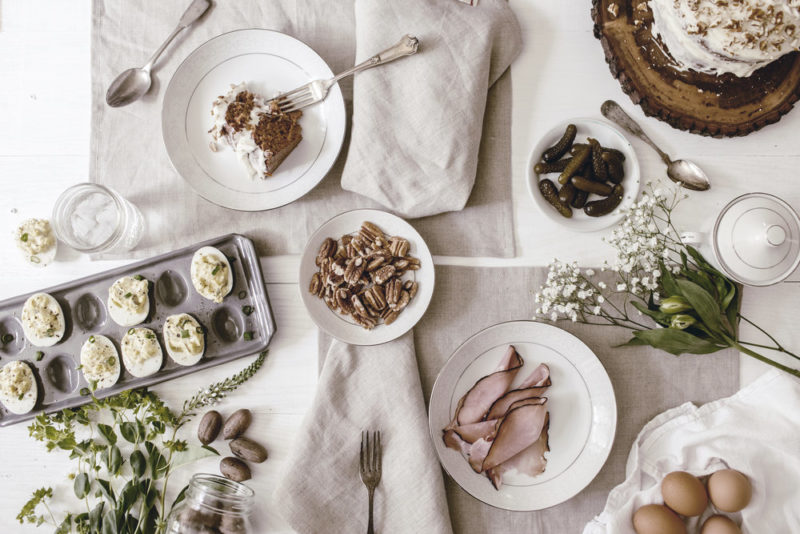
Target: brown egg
(720,524)
(684,493)
(730,490)
(657,519)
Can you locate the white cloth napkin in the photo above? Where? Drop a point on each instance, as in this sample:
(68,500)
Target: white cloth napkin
(756,431)
(417,122)
(365,388)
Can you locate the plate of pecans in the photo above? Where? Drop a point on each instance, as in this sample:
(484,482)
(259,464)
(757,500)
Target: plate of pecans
(366,277)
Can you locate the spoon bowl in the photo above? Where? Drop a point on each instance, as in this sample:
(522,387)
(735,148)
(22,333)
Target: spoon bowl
(688,174)
(128,87)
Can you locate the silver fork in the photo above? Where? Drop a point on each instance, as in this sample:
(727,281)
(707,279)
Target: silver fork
(316,91)
(371,454)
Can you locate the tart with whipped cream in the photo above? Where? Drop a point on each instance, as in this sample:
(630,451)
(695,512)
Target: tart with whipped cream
(261,135)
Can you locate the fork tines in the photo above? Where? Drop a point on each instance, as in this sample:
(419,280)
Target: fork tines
(371,454)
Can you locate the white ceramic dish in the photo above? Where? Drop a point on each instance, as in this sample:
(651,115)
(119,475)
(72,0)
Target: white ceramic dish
(583,412)
(608,136)
(269,62)
(343,327)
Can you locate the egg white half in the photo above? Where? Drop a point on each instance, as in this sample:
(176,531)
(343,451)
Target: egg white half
(98,346)
(25,404)
(202,282)
(178,347)
(36,326)
(136,345)
(124,316)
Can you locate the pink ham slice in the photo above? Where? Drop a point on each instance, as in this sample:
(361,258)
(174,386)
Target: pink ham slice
(517,431)
(530,461)
(477,401)
(533,386)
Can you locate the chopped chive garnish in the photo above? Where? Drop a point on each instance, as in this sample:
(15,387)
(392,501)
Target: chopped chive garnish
(50,332)
(150,336)
(216,269)
(84,392)
(35,259)
(130,331)
(184,333)
(138,277)
(39,355)
(7,338)
(93,384)
(248,335)
(79,367)
(111,360)
(242,294)
(21,396)
(91,339)
(24,237)
(247,310)
(128,295)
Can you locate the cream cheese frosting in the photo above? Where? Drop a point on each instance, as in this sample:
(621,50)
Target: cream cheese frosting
(727,36)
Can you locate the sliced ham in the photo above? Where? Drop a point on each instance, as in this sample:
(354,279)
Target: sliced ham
(477,401)
(538,377)
(501,406)
(483,429)
(530,461)
(518,430)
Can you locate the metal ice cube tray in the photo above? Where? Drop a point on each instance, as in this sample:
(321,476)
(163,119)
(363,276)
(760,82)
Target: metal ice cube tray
(83,302)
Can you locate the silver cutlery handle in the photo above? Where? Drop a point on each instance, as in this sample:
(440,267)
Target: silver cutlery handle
(612,111)
(407,46)
(194,12)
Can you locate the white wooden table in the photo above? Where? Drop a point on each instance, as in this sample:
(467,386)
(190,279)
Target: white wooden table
(561,73)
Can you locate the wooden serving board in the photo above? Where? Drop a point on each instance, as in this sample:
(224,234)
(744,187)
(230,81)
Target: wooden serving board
(719,106)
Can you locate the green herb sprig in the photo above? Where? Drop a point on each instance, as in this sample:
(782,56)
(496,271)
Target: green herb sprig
(123,468)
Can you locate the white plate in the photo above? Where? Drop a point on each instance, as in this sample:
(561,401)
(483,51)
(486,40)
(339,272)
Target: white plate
(608,136)
(343,327)
(269,62)
(583,412)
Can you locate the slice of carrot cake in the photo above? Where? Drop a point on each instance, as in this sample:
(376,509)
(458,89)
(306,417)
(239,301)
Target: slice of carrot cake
(260,134)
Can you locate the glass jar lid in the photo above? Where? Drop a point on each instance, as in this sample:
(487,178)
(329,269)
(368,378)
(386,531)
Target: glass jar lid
(757,239)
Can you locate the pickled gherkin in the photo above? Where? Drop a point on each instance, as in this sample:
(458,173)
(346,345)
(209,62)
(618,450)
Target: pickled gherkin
(550,194)
(560,148)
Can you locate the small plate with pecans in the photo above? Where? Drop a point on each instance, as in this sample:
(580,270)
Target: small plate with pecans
(366,277)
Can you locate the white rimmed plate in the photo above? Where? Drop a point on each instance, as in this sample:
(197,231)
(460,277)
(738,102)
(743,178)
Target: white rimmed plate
(608,136)
(269,62)
(343,327)
(583,412)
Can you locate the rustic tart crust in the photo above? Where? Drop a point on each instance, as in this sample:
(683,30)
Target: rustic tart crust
(718,106)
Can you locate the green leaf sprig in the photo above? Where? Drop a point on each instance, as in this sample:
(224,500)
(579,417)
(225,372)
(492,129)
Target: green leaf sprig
(123,468)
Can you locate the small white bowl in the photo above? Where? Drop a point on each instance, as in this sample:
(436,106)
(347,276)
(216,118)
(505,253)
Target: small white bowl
(343,327)
(609,137)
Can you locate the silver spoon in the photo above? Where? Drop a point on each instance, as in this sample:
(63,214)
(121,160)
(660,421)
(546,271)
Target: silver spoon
(683,172)
(132,84)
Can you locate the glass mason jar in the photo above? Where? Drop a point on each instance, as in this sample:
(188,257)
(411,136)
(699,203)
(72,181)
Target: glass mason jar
(213,505)
(92,218)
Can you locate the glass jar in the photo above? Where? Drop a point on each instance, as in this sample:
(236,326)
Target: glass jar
(213,504)
(93,218)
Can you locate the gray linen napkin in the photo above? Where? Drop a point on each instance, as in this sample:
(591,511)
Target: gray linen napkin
(128,154)
(417,122)
(365,388)
(646,382)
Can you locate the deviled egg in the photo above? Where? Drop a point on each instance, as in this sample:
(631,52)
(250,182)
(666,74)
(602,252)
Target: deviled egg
(141,352)
(211,274)
(35,239)
(184,339)
(128,300)
(18,389)
(42,320)
(100,361)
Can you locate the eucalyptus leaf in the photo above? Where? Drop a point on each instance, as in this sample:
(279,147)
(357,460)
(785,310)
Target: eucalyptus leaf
(155,460)
(114,460)
(96,517)
(180,497)
(65,527)
(129,431)
(703,304)
(81,485)
(676,342)
(107,432)
(138,463)
(106,490)
(109,523)
(192,454)
(128,496)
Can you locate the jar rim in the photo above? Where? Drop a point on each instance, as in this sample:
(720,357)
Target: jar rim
(222,488)
(59,206)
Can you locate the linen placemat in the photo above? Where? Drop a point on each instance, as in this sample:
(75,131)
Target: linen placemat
(128,154)
(646,382)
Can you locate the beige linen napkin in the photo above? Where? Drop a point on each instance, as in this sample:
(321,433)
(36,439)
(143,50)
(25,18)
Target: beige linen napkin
(365,388)
(417,123)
